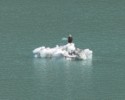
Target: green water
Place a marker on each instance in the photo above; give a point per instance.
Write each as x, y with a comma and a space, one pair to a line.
95, 24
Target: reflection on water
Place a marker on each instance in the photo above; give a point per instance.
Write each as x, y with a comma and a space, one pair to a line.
63, 79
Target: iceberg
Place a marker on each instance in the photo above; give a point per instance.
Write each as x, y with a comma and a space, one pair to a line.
68, 51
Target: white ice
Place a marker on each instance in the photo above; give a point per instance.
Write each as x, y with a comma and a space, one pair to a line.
68, 51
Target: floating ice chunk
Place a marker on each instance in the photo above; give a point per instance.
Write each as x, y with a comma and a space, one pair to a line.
68, 51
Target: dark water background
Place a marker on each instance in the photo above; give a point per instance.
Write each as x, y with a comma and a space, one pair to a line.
95, 24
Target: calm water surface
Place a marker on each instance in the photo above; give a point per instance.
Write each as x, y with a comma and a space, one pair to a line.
94, 24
